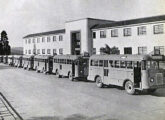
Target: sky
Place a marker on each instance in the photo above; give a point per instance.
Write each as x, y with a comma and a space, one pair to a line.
21, 17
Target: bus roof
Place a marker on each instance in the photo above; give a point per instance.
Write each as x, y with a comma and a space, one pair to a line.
17, 56
28, 56
121, 57
72, 57
42, 56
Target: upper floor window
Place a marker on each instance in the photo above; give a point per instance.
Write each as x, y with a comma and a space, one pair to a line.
38, 40
29, 41
114, 33
43, 51
48, 51
94, 35
25, 41
54, 51
127, 31
60, 51
54, 38
48, 39
103, 34
43, 39
158, 29
142, 50
33, 40
60, 37
38, 51
142, 30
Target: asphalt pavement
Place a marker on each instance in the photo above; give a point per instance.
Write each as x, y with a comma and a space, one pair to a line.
37, 96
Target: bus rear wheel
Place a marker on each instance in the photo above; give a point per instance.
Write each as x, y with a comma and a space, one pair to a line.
99, 82
129, 87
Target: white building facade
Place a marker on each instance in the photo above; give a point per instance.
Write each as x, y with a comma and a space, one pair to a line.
137, 36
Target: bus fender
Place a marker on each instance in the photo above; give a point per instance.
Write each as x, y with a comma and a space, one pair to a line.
96, 77
125, 82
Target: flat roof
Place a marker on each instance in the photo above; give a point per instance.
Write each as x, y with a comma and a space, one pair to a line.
131, 21
45, 33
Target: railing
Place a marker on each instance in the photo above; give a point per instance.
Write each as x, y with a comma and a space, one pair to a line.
7, 111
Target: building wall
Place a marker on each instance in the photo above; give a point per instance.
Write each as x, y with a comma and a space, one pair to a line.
46, 45
149, 40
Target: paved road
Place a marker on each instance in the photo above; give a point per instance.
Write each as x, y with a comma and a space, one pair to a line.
45, 97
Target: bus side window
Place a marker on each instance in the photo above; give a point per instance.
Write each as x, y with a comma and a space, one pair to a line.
122, 64
105, 63
96, 62
91, 63
129, 64
111, 63
100, 62
117, 64
106, 72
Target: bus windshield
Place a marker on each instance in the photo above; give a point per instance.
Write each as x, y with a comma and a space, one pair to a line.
155, 64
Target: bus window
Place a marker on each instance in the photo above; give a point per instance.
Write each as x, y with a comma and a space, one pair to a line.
100, 62
111, 63
152, 65
122, 64
117, 64
105, 63
129, 64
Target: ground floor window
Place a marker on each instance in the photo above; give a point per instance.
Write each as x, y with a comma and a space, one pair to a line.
43, 51
60, 51
142, 50
29, 51
128, 50
48, 51
38, 51
159, 50
54, 52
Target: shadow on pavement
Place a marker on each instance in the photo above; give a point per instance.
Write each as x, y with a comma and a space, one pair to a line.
6, 67
72, 117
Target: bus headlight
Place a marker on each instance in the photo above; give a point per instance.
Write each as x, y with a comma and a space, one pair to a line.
151, 80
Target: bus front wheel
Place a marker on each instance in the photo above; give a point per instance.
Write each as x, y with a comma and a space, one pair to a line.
129, 87
99, 82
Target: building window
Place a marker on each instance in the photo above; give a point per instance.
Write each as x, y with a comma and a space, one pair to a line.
29, 41
26, 41
60, 38
33, 40
38, 51
25, 51
158, 29
38, 40
159, 50
142, 50
29, 51
54, 52
94, 35
60, 51
48, 51
127, 31
94, 51
114, 33
103, 34
142, 30
54, 38
43, 51
43, 39
128, 50
48, 39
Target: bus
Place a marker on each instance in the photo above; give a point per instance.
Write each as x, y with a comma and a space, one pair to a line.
43, 63
72, 66
5, 59
27, 62
10, 60
18, 60
133, 72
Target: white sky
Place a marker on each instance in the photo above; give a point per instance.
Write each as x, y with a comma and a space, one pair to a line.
22, 17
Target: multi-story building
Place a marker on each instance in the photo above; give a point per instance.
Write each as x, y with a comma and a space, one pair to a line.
136, 36
76, 38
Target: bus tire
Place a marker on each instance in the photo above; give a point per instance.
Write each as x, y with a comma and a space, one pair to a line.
99, 82
129, 87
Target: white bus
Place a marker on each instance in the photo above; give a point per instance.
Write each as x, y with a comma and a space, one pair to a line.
133, 72
43, 63
17, 61
27, 62
72, 66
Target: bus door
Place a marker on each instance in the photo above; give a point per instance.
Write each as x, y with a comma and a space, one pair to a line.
50, 64
83, 68
73, 67
105, 72
137, 73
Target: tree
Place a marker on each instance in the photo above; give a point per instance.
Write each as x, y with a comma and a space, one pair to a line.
4, 44
108, 50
